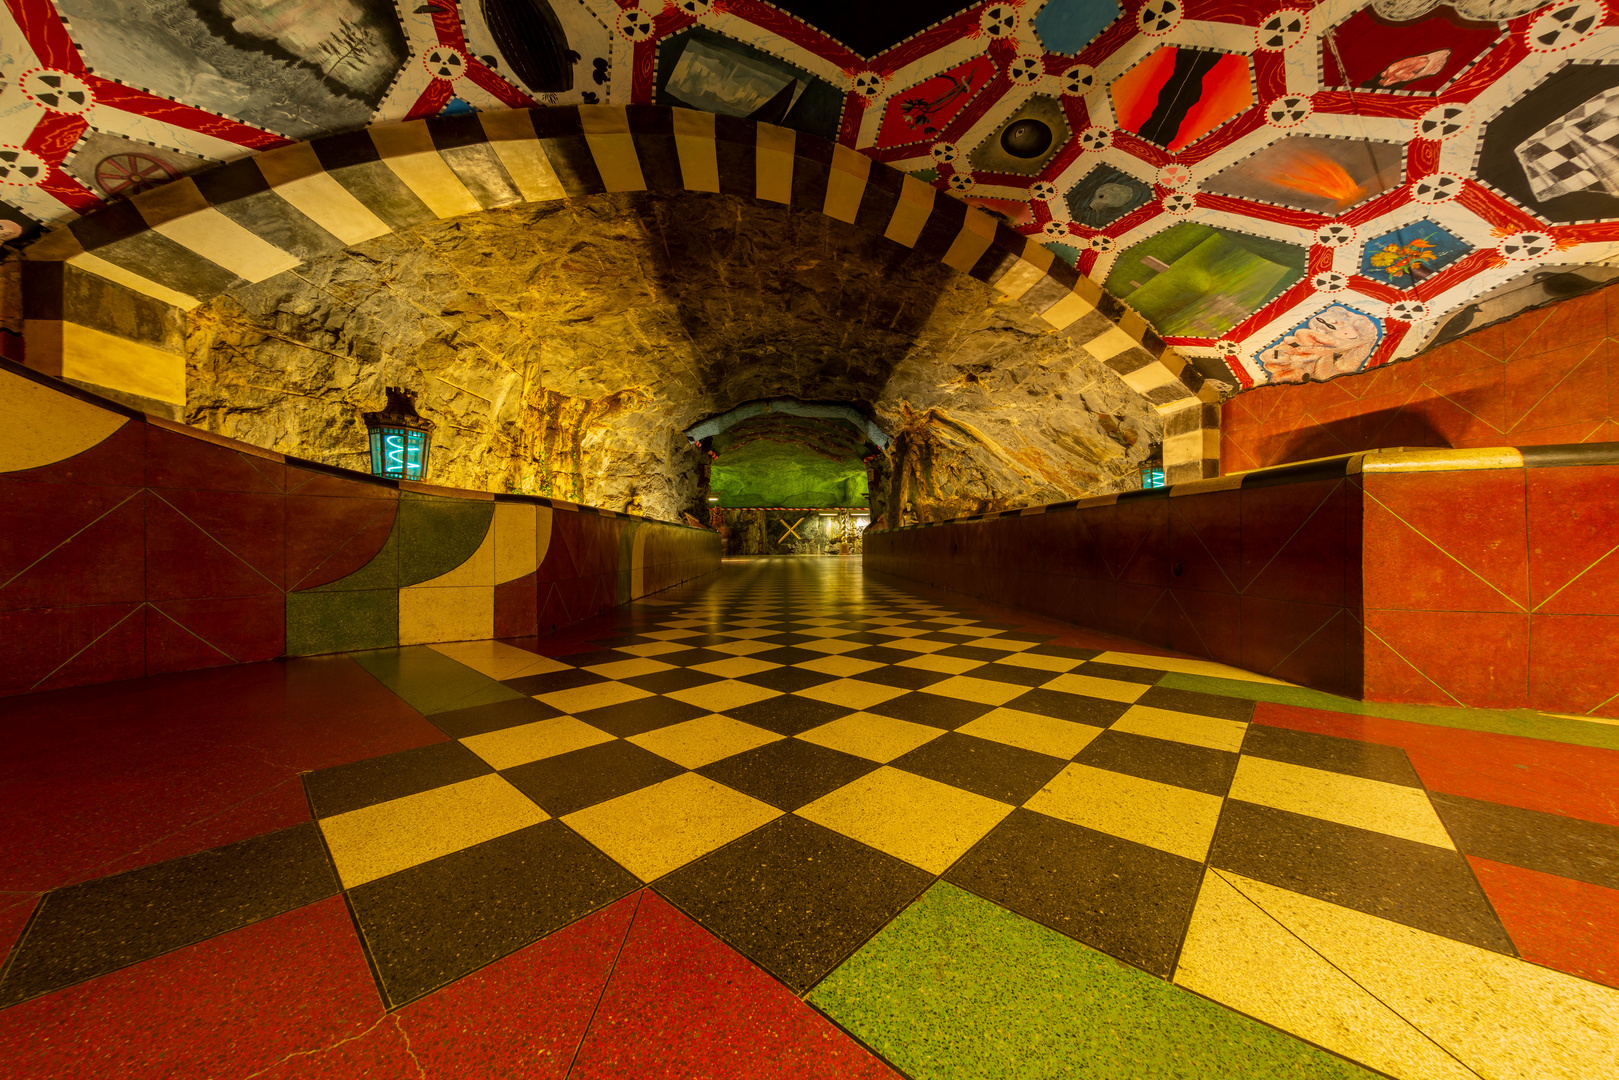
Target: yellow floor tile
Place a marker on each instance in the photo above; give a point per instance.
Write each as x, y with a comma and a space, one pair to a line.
1090, 686
1505, 1018
950, 665
719, 696
832, 646
916, 646
1349, 800
876, 738
1209, 731
531, 742
852, 693
1041, 662
1042, 734
497, 659
706, 739
842, 666
1239, 956
924, 822
594, 696
1185, 667
743, 648
735, 667
662, 828
376, 841
1172, 819
969, 630
1004, 644
629, 669
983, 691
653, 648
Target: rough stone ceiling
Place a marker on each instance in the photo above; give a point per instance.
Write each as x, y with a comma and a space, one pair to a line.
1290, 191
564, 347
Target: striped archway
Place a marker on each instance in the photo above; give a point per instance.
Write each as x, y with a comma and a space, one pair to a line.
105, 297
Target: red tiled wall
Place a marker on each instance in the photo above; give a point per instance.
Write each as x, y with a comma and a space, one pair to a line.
162, 550
1545, 377
1494, 589
1268, 578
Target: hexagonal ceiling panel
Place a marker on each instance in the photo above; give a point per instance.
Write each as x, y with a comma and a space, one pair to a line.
1330, 130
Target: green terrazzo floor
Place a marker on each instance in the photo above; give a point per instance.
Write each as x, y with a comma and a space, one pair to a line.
958, 987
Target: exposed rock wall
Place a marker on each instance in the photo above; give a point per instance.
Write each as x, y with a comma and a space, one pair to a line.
563, 347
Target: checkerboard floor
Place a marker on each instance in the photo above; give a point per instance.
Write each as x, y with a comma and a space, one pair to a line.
818, 786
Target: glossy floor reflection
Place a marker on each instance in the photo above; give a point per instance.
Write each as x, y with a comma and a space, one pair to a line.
793, 820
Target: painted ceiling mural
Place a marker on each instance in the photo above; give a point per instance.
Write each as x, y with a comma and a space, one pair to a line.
1284, 193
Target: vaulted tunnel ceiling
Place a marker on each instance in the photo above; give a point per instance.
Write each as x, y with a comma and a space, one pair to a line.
1359, 175
563, 348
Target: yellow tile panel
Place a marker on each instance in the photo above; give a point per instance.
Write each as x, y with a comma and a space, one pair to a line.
983, 691
867, 735
1172, 819
1391, 809
694, 144
1027, 272
44, 426
376, 841
703, 740
220, 240
1042, 734
924, 822
831, 645
510, 747
101, 268
1042, 662
845, 183
977, 233
407, 149
1185, 666
653, 648
911, 212
120, 364
852, 693
629, 669
456, 613
773, 163
1238, 955
594, 696
719, 696
662, 828
842, 666
1505, 1018
499, 660
516, 533
511, 135
744, 647
950, 665
1209, 731
1091, 686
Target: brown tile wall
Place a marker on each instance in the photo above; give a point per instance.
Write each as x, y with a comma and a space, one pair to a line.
1547, 376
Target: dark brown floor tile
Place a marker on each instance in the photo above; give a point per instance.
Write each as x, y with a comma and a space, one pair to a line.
788, 714
667, 682
1181, 764
1190, 701
790, 654
787, 679
393, 776
1128, 900
905, 678
1419, 885
881, 654
552, 681
921, 707
1068, 652
1008, 774
641, 715
973, 652
1076, 707
1119, 672
1012, 673
793, 897
1567, 847
1371, 760
581, 778
496, 716
790, 773
692, 657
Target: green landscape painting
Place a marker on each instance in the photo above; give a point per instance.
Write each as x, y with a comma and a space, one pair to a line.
1199, 281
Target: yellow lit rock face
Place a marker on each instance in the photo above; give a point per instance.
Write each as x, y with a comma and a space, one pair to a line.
563, 348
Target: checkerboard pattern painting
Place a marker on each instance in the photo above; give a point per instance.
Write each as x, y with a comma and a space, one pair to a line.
827, 773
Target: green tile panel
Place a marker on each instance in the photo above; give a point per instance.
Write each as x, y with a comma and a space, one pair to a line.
430, 681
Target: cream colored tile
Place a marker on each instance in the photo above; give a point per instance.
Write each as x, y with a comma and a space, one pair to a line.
1209, 731
867, 735
376, 841
743, 648
719, 696
663, 827
705, 739
594, 696
1090, 686
924, 822
842, 666
1172, 819
951, 665
629, 669
1237, 955
983, 691
1502, 1017
1186, 667
734, 667
653, 648
1042, 734
499, 660
852, 693
531, 742
1041, 662
1349, 800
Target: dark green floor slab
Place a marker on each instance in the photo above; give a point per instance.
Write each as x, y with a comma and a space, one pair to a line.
957, 987
1525, 722
430, 681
